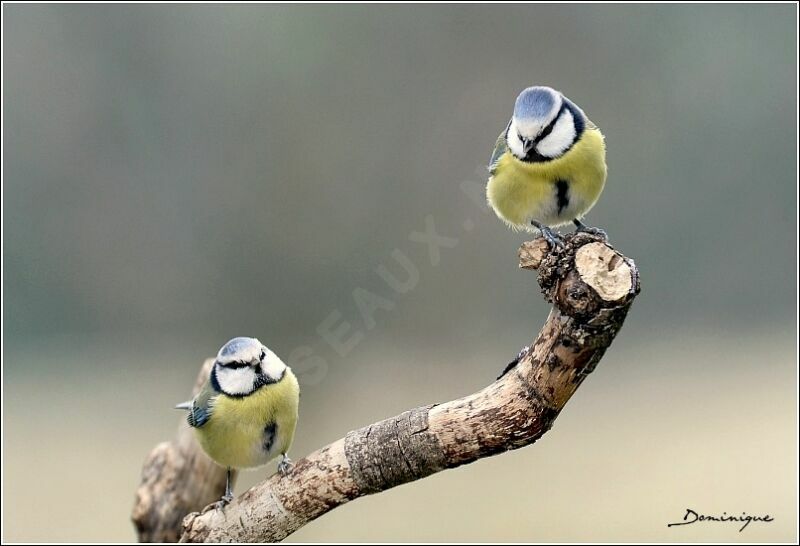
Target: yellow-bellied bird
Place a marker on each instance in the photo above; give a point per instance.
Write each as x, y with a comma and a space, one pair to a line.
246, 413
548, 166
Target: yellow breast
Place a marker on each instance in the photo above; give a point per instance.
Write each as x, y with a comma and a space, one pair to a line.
520, 192
237, 433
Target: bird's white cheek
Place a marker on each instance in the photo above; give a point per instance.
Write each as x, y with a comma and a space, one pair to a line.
236, 381
560, 138
514, 143
272, 366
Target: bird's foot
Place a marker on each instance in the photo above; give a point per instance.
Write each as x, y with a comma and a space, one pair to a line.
514, 362
285, 466
594, 231
220, 504
553, 239
583, 228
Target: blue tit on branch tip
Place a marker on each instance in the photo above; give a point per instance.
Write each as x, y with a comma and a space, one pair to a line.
548, 167
246, 412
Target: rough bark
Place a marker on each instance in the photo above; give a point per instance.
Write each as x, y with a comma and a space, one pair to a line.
177, 478
591, 287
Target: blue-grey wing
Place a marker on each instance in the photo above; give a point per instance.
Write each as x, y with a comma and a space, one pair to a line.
500, 147
201, 407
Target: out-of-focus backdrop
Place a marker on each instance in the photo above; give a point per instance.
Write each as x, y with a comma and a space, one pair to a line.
179, 175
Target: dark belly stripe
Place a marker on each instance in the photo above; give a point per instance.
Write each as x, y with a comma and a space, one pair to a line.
269, 437
562, 195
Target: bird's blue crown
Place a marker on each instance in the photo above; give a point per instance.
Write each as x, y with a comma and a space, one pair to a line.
537, 104
239, 348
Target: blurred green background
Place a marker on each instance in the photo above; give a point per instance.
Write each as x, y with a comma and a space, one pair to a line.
178, 175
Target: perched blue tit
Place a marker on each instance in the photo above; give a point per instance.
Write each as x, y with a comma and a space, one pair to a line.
246, 413
548, 166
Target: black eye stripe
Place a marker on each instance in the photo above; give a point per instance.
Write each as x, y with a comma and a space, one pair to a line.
578, 125
235, 365
549, 128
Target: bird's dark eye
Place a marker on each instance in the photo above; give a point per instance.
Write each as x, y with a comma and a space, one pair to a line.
263, 355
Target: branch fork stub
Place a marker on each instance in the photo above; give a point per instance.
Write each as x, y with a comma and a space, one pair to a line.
583, 275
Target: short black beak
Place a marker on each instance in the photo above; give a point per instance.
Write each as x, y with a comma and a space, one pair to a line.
527, 144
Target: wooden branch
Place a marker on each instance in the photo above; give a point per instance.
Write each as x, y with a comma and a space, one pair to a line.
177, 478
591, 287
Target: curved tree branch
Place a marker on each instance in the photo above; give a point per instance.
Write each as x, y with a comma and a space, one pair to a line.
591, 287
177, 478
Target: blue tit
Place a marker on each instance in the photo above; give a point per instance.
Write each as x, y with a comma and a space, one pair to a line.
548, 166
245, 414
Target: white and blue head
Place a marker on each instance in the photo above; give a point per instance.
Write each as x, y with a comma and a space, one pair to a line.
544, 126
244, 365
